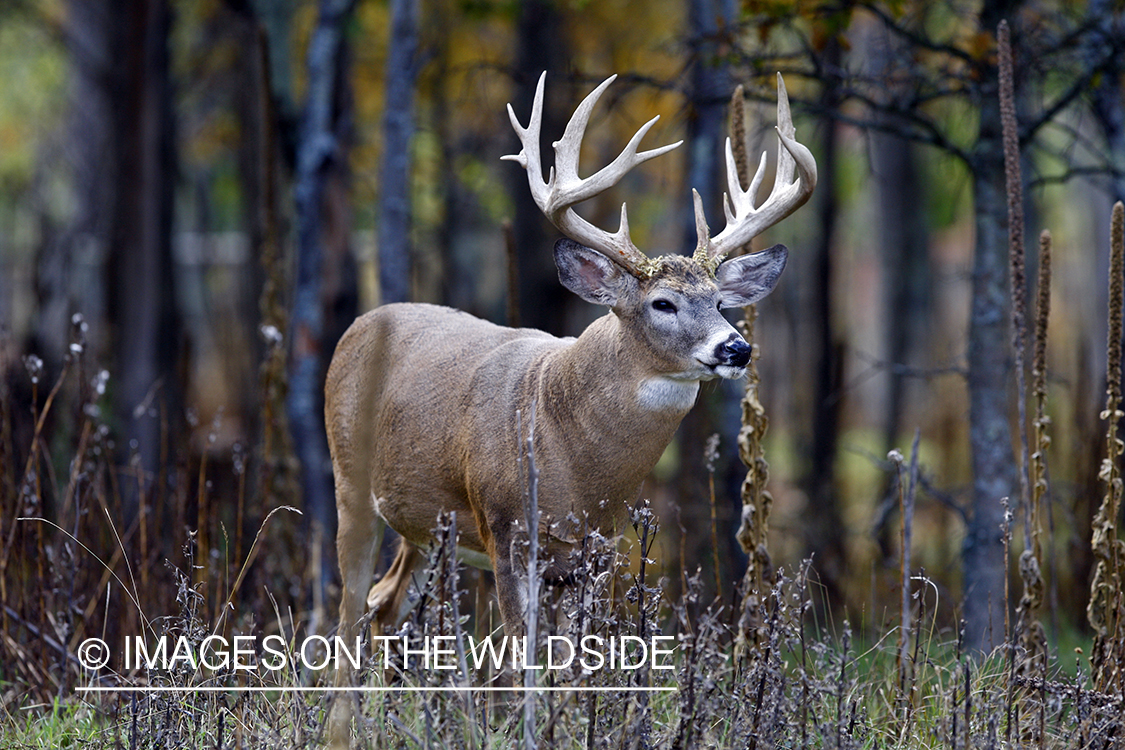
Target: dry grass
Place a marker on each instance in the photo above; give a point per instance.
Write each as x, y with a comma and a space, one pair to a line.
806, 683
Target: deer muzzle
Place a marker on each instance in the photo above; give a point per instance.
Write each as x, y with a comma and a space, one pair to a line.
734, 352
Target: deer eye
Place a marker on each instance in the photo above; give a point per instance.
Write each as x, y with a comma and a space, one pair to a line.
663, 305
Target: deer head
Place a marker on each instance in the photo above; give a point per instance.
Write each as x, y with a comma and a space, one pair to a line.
670, 299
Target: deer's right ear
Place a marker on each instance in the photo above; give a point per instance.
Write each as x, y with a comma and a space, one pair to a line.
591, 275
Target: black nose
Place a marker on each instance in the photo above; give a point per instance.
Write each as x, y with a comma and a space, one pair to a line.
734, 352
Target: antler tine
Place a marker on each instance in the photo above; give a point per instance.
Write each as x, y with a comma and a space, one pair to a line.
743, 199
785, 130
568, 148
528, 157
565, 189
744, 221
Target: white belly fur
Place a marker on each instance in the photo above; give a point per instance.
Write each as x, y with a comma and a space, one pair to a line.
474, 558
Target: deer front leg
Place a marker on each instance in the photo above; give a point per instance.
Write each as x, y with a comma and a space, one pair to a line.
511, 583
359, 535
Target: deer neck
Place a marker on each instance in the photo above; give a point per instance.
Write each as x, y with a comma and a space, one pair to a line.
621, 393
597, 427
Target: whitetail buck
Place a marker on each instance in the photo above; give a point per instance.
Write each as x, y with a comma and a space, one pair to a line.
422, 401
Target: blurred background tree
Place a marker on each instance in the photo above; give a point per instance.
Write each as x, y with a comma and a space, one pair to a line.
197, 178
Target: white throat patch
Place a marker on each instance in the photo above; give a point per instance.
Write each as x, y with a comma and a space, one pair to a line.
667, 394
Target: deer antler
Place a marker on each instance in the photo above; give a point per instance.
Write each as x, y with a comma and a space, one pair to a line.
744, 222
564, 189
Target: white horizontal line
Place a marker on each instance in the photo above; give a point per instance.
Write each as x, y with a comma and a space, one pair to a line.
371, 689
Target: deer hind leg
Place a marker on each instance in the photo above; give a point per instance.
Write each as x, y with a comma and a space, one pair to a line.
388, 597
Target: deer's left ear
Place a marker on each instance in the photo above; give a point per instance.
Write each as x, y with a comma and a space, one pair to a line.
746, 279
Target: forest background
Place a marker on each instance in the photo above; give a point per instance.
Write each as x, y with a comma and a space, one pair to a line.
197, 197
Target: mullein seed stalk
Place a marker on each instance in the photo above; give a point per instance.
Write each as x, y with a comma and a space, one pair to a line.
1105, 607
756, 501
1029, 638
1014, 186
1032, 636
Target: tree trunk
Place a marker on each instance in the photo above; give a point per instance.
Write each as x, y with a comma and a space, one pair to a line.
253, 150
1106, 99
60, 290
320, 152
907, 276
139, 283
907, 290
825, 541
990, 438
398, 132
541, 46
708, 100
276, 18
